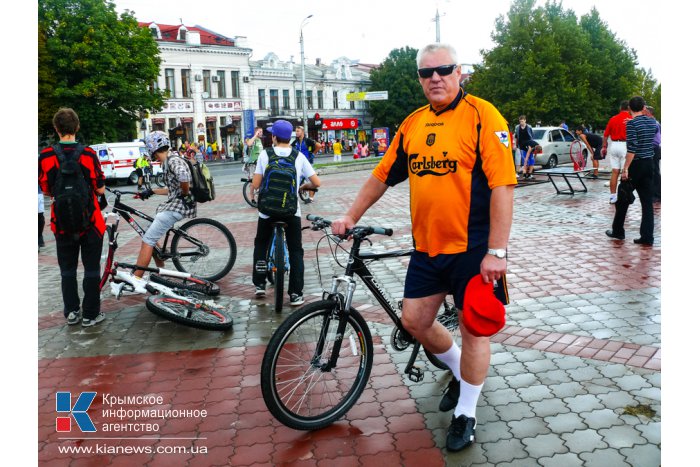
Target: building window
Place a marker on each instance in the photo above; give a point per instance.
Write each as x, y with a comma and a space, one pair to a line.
185, 75
298, 99
206, 81
319, 95
274, 102
221, 85
235, 87
335, 99
309, 99
170, 82
261, 99
285, 99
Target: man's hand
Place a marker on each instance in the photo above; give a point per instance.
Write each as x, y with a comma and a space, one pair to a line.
188, 200
342, 225
145, 194
492, 268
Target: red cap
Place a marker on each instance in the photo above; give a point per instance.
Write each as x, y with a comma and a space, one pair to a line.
483, 314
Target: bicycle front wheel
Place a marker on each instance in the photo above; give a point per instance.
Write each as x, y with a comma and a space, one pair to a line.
247, 197
278, 269
198, 315
298, 388
205, 248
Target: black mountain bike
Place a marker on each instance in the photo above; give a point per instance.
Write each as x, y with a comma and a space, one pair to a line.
318, 361
202, 247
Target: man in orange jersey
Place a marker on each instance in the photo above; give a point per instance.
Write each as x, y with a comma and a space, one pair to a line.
456, 150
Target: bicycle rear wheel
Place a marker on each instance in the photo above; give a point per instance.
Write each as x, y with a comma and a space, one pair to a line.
193, 284
205, 248
298, 390
450, 319
200, 316
246, 195
278, 268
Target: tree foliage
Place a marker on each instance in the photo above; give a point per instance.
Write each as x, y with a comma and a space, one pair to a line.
398, 75
551, 66
97, 62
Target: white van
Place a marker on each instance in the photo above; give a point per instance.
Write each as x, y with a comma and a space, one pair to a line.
117, 159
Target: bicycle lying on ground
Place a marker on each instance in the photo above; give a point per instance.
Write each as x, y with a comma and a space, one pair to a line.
175, 295
203, 247
318, 361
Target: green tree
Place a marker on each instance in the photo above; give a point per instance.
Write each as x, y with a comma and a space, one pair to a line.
550, 66
99, 63
397, 74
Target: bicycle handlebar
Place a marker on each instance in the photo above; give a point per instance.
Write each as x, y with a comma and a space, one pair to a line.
357, 231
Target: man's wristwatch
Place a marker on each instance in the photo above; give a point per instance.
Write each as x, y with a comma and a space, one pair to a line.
497, 252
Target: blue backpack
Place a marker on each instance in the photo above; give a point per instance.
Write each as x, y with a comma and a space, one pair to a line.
278, 195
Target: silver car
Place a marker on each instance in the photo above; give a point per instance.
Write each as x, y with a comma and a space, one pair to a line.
556, 146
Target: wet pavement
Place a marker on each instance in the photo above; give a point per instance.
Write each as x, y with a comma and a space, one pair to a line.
574, 378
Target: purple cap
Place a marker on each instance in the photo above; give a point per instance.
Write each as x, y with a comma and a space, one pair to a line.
281, 129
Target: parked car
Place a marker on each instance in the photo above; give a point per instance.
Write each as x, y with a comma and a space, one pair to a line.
556, 146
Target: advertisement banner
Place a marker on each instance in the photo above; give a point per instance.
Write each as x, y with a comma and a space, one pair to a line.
382, 137
340, 124
249, 122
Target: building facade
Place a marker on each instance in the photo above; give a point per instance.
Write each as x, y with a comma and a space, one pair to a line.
215, 93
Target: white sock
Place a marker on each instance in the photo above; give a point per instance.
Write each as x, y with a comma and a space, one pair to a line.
468, 397
451, 358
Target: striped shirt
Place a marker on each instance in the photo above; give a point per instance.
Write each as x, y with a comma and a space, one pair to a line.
640, 136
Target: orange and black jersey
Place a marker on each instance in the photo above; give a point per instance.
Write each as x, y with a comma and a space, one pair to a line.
453, 159
92, 170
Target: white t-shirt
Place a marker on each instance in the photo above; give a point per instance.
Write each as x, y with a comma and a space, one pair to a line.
304, 169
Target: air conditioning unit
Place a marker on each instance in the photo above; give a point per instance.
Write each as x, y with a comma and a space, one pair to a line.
198, 77
216, 78
246, 79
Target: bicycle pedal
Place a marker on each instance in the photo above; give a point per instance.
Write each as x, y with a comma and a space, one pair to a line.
415, 374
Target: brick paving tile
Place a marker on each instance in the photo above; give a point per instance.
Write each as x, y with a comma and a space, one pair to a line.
582, 342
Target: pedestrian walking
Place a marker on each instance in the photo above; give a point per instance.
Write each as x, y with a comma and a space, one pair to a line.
455, 245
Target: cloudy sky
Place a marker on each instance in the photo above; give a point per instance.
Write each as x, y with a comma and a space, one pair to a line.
367, 30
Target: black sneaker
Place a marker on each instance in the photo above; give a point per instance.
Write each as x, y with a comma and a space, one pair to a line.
461, 433
451, 396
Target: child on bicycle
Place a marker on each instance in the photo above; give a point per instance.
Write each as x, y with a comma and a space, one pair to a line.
180, 202
281, 135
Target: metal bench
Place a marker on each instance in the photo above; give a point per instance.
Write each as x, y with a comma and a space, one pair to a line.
566, 173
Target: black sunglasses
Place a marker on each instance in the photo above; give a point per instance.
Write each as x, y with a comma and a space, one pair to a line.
442, 70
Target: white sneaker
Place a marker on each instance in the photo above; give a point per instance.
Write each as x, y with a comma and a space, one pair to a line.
613, 198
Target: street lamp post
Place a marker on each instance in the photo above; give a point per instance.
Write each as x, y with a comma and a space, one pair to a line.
303, 75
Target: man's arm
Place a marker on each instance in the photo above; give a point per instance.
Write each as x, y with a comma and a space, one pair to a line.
371, 191
501, 207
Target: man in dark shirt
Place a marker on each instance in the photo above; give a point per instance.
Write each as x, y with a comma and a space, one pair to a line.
639, 169
594, 143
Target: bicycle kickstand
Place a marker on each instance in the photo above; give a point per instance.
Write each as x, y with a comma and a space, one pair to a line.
414, 372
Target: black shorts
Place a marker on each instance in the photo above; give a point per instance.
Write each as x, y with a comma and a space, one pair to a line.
428, 276
597, 154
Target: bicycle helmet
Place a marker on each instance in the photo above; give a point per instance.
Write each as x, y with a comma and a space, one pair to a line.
157, 140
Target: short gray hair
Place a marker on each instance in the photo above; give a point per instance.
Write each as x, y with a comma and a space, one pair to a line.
432, 48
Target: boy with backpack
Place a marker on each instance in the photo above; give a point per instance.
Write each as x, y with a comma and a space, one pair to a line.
277, 175
180, 203
71, 173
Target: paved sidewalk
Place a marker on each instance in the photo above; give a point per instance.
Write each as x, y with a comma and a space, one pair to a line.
575, 375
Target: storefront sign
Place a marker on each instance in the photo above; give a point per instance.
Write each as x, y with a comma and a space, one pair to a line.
222, 106
179, 106
339, 124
